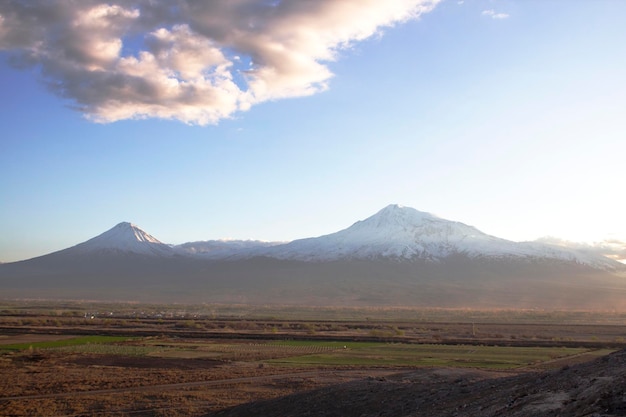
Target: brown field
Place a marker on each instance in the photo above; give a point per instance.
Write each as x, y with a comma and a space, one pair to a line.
81, 359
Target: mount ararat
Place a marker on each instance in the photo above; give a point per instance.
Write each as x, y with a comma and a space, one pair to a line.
397, 257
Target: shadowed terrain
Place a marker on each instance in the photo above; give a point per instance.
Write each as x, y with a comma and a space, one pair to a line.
596, 388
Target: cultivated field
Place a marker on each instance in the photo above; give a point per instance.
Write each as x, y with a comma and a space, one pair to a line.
85, 359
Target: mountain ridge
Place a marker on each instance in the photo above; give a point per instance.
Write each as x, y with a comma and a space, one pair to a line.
397, 257
394, 232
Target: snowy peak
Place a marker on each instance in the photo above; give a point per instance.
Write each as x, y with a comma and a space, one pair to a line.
126, 237
129, 231
124, 233
395, 213
407, 220
395, 216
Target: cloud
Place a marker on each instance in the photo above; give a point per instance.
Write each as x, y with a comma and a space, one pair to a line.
197, 62
611, 248
495, 15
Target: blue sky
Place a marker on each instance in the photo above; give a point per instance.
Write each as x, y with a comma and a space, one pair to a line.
505, 115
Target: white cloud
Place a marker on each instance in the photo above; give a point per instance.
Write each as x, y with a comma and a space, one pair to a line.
495, 15
611, 248
197, 62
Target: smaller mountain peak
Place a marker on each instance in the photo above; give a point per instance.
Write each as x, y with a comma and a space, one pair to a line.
126, 231
126, 237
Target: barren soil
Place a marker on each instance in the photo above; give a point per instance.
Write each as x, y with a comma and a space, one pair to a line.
54, 383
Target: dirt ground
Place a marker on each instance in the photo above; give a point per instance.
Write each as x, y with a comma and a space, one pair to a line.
54, 383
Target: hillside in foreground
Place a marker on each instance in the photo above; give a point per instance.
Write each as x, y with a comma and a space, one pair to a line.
596, 388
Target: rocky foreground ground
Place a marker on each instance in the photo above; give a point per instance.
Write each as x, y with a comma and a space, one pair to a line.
596, 388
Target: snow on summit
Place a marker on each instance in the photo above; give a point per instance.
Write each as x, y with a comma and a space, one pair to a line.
125, 237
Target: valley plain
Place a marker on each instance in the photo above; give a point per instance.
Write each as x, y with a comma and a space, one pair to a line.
73, 358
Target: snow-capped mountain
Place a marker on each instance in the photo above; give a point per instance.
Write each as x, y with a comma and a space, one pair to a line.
404, 233
125, 238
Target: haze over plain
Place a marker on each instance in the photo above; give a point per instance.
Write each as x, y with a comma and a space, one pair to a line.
278, 120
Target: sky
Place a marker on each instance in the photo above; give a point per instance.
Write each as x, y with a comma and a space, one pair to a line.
278, 120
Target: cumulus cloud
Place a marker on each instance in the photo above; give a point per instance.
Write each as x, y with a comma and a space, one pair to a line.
494, 15
611, 248
197, 62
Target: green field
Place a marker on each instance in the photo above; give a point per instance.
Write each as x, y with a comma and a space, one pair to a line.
299, 353
410, 355
77, 341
